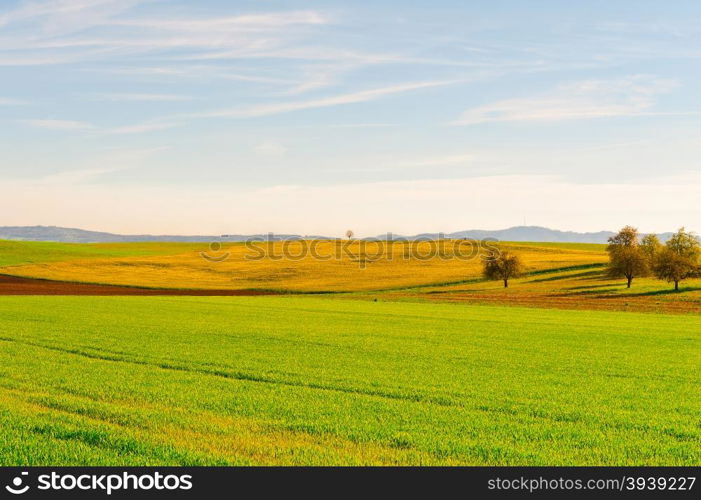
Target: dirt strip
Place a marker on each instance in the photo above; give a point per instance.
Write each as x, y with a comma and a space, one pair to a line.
12, 285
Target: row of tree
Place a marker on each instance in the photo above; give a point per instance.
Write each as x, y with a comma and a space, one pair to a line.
632, 256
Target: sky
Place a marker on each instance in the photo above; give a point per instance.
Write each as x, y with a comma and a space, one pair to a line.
314, 117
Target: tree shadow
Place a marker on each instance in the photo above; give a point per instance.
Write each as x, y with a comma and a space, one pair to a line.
565, 269
599, 291
670, 291
586, 274
588, 287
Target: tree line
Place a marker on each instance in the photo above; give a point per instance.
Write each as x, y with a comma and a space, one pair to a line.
631, 255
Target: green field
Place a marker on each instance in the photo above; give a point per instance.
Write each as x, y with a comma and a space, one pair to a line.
13, 253
303, 380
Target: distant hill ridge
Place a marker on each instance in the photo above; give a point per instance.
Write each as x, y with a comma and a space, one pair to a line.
518, 233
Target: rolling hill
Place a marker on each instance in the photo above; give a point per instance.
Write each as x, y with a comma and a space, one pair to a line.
517, 233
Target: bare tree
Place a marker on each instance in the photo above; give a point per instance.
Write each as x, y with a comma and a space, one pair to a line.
502, 266
679, 259
626, 256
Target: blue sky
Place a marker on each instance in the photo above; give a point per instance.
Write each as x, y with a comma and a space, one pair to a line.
169, 116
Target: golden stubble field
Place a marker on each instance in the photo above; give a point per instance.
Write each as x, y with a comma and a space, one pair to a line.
558, 275
316, 266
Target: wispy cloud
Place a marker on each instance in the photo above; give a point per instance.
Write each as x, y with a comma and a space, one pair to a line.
311, 77
78, 126
587, 99
43, 27
140, 128
54, 17
183, 70
54, 32
318, 76
432, 162
270, 148
142, 97
110, 162
76, 176
438, 161
350, 98
11, 102
60, 124
361, 125
28, 10
254, 22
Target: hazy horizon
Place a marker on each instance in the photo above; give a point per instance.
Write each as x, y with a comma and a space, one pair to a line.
342, 234
147, 117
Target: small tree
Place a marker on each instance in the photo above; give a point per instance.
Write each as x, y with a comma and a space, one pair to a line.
502, 266
679, 258
626, 256
628, 236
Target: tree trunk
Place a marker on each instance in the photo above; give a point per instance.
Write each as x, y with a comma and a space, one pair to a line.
506, 283
676, 286
630, 280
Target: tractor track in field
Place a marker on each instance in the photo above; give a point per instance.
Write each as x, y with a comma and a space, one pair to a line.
15, 285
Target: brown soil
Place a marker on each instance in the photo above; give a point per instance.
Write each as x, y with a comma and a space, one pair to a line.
561, 301
12, 285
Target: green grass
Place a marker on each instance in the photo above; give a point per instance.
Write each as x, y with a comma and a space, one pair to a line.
13, 253
301, 380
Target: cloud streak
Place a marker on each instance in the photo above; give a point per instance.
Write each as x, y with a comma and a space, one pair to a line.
11, 102
109, 162
582, 100
78, 126
254, 22
140, 128
338, 100
142, 97
65, 125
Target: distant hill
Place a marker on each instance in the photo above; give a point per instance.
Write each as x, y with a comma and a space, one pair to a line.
72, 235
532, 233
518, 233
527, 233
536, 233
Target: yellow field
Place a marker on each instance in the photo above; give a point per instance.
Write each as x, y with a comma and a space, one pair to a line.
337, 267
569, 276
